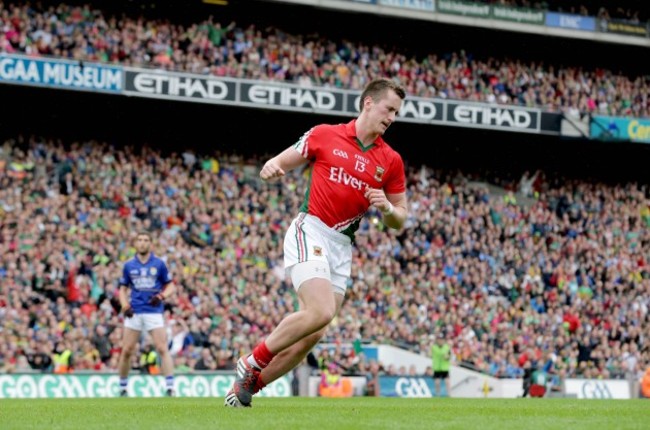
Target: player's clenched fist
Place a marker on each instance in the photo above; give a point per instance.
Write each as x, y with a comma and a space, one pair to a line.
271, 171
128, 311
156, 300
378, 199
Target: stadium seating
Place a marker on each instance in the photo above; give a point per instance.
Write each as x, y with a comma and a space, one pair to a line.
554, 282
246, 51
553, 272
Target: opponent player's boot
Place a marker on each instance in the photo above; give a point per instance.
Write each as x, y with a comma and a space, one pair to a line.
169, 392
124, 393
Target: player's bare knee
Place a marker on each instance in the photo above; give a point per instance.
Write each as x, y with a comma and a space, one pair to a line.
321, 317
128, 350
161, 348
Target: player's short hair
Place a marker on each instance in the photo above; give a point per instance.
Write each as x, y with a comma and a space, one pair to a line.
144, 233
378, 87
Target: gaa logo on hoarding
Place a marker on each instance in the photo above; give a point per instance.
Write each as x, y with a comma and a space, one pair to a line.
595, 390
412, 387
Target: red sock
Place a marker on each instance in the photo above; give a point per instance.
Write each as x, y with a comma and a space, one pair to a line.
262, 355
259, 385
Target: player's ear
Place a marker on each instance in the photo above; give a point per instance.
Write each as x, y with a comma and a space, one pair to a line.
367, 101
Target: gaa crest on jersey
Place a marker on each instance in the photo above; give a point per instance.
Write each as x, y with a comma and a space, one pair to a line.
318, 251
153, 271
379, 173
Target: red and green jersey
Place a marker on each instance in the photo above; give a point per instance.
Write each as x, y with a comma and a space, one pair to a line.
341, 170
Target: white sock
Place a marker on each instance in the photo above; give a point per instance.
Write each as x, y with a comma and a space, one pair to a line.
169, 382
252, 362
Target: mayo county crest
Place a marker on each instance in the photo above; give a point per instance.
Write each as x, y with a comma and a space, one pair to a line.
379, 173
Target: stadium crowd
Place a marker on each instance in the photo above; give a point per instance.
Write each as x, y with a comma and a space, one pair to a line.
602, 9
246, 51
561, 283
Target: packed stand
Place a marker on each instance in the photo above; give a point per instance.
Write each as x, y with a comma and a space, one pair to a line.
227, 49
602, 9
562, 283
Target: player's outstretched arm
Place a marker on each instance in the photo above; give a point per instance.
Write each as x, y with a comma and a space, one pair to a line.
282, 163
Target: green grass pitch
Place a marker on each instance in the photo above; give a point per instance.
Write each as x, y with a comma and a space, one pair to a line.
324, 414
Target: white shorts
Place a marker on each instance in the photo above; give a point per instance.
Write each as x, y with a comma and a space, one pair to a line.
328, 253
146, 322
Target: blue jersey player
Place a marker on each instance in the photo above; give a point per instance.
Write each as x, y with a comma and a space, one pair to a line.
149, 283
